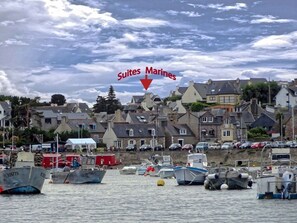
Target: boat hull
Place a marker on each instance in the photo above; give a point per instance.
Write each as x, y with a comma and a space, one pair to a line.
166, 173
276, 187
233, 179
190, 175
79, 176
22, 180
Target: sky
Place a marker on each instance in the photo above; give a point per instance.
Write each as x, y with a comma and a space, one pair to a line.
78, 47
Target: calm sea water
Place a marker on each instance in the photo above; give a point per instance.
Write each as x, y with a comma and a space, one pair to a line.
133, 198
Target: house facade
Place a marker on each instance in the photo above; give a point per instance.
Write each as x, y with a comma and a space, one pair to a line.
120, 135
5, 114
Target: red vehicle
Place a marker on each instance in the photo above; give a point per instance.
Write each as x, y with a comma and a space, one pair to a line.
257, 145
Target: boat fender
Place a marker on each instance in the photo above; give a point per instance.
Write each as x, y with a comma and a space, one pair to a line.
212, 176
206, 184
224, 187
243, 175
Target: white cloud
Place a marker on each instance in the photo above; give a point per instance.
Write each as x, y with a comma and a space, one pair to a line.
13, 42
276, 41
222, 7
6, 87
269, 19
186, 13
144, 22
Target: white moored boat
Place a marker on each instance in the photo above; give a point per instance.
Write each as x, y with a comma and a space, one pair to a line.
24, 177
280, 183
128, 170
195, 171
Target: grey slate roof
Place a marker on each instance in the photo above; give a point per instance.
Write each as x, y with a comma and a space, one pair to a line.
173, 129
201, 88
182, 90
6, 107
140, 130
68, 108
138, 118
137, 98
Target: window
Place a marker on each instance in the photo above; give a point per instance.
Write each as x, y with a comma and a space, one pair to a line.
118, 144
131, 142
183, 132
142, 141
227, 121
131, 133
92, 126
212, 98
211, 132
204, 119
226, 133
210, 119
48, 120
81, 126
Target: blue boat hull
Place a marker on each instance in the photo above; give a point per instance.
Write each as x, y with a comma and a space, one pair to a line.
276, 196
22, 190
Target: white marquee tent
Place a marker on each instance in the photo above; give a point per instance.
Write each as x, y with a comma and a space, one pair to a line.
81, 143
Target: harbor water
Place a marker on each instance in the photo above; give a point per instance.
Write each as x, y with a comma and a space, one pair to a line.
133, 198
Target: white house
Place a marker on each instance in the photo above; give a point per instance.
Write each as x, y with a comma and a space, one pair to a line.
5, 114
286, 97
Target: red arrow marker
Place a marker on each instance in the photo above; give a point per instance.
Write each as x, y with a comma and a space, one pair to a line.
146, 82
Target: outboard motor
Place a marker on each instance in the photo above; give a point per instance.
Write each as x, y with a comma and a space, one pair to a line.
287, 184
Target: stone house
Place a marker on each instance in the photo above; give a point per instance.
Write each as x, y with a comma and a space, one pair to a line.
120, 135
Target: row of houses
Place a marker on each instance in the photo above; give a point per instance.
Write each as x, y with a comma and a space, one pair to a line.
147, 120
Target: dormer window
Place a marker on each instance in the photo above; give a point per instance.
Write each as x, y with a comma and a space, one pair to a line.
210, 119
131, 132
152, 132
183, 131
204, 119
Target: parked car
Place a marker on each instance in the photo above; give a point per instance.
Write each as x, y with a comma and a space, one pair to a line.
145, 147
175, 146
294, 144
227, 145
159, 147
245, 145
257, 145
131, 147
201, 146
187, 147
214, 146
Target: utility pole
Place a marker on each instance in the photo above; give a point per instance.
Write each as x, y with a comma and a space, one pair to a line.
293, 124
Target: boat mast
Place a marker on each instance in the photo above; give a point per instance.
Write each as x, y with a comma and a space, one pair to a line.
57, 160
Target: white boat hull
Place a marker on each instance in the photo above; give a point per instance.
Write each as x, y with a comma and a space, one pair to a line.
22, 180
190, 175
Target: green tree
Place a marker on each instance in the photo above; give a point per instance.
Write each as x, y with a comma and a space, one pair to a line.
197, 106
107, 104
58, 99
100, 105
260, 91
112, 102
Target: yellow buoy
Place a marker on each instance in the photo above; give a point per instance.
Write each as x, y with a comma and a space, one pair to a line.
160, 182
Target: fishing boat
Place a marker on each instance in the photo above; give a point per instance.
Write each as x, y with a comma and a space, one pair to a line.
228, 178
159, 163
166, 173
280, 181
85, 172
194, 172
24, 177
128, 170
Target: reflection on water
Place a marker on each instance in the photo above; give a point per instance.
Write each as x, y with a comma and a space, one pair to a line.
132, 198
